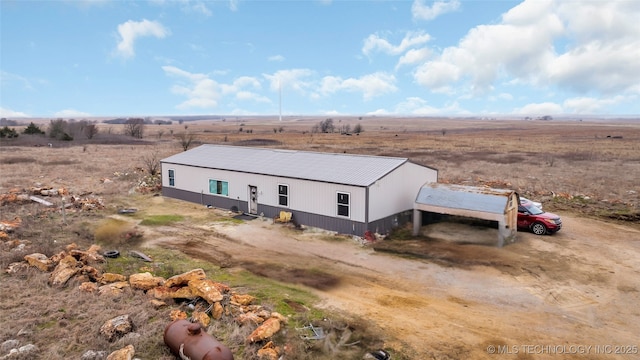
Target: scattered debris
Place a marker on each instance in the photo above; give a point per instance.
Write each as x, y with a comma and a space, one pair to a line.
378, 355
48, 191
368, 236
127, 211
149, 184
140, 255
311, 332
40, 201
111, 254
283, 217
87, 203
189, 340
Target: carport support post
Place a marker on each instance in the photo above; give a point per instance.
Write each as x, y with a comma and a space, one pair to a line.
417, 221
501, 232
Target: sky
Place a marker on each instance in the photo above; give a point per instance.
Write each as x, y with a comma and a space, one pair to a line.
93, 58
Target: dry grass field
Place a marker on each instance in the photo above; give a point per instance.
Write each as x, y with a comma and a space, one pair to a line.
437, 299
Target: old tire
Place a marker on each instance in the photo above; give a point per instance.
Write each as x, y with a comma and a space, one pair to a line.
538, 228
112, 254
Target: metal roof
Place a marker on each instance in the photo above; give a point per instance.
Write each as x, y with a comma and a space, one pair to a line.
464, 197
350, 169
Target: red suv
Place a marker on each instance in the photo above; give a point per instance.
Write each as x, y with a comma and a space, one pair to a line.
539, 222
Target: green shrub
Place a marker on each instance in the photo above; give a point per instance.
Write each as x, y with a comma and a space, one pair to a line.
8, 133
33, 129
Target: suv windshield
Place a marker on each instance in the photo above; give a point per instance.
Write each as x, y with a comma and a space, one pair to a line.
532, 209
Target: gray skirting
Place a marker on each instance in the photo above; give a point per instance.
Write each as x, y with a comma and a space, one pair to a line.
342, 226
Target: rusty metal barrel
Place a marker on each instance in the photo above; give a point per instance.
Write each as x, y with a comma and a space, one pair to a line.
189, 340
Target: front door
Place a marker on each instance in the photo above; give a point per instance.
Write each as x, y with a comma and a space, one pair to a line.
253, 199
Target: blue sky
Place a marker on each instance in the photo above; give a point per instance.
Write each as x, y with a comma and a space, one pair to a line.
84, 58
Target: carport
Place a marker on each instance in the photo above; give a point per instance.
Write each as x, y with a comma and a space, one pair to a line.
484, 203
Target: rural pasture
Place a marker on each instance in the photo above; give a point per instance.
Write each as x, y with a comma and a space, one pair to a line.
441, 297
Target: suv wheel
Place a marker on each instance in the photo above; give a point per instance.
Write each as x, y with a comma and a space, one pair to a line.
539, 228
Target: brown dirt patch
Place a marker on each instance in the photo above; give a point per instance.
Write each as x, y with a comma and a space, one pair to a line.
312, 278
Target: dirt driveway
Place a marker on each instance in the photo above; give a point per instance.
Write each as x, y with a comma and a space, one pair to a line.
571, 295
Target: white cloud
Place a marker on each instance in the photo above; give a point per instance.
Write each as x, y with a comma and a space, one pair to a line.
71, 113
418, 106
332, 113
438, 75
237, 89
375, 43
187, 6
605, 67
606, 21
131, 30
251, 96
582, 47
233, 5
501, 97
539, 109
203, 92
199, 89
8, 113
371, 85
378, 112
420, 11
200, 7
589, 105
296, 79
278, 58
413, 56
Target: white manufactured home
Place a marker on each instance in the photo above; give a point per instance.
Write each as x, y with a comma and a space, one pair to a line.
346, 193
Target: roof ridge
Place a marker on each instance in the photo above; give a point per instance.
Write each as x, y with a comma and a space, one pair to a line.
306, 151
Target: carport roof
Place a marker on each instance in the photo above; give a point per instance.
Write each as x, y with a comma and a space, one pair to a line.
359, 170
464, 197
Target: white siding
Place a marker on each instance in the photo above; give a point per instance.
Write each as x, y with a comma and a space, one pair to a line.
397, 191
308, 196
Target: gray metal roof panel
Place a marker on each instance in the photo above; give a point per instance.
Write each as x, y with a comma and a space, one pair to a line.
359, 170
464, 197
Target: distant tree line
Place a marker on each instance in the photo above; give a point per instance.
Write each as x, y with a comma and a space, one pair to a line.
327, 126
59, 129
8, 122
146, 121
67, 130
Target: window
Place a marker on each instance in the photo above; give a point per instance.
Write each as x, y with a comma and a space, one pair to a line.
218, 187
343, 204
172, 177
283, 195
